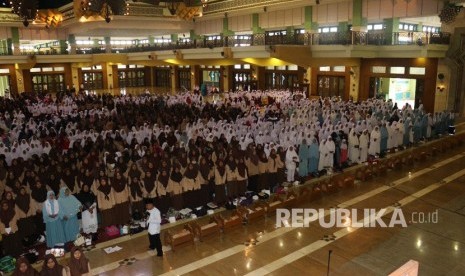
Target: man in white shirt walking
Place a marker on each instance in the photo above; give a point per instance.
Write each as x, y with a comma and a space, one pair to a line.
154, 221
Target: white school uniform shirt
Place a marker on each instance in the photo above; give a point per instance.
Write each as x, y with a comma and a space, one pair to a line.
154, 221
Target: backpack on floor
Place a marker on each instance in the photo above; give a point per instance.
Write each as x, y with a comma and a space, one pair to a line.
7, 264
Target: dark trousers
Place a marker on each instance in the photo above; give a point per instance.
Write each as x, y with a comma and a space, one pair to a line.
155, 243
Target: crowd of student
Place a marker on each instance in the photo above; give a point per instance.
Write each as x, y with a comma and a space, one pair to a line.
78, 265
96, 158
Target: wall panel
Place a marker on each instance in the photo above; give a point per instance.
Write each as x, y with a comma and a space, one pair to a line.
343, 12
414, 8
214, 26
240, 23
400, 9
386, 10
373, 9
298, 17
377, 10
288, 17
280, 19
431, 7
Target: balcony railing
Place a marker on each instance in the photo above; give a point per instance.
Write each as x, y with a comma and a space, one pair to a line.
339, 38
399, 38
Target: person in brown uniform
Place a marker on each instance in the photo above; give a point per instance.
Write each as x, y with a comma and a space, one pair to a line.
175, 188
220, 182
105, 202
120, 187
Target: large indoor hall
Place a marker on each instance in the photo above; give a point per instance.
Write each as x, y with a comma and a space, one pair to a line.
232, 137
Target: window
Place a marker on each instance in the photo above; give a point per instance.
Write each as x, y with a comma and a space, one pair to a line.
375, 27
378, 69
162, 77
274, 33
327, 29
4, 71
417, 70
330, 86
214, 37
339, 68
292, 68
45, 83
184, 78
162, 40
92, 80
397, 70
429, 29
122, 42
408, 27
325, 69
58, 69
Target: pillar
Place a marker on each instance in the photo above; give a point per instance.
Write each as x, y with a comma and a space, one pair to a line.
72, 44
107, 40
392, 30
227, 78
19, 80
151, 39
174, 79
174, 38
256, 24
15, 41
359, 24
195, 78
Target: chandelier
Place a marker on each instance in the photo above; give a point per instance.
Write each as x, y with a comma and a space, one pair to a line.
27, 10
104, 8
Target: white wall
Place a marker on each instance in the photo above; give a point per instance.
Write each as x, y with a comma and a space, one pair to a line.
214, 26
377, 10
333, 13
240, 23
282, 18
42, 34
441, 97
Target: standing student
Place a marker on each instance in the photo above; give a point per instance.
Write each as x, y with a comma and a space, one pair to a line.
53, 225
175, 188
105, 202
154, 221
162, 200
291, 163
220, 182
69, 208
89, 209
136, 193
119, 183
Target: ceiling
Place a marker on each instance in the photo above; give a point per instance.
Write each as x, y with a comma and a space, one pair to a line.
43, 4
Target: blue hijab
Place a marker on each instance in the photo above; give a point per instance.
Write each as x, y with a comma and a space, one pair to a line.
69, 205
50, 203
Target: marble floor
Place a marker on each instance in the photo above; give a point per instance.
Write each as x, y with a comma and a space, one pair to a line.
436, 184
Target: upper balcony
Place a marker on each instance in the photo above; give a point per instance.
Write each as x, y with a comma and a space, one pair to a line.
352, 44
